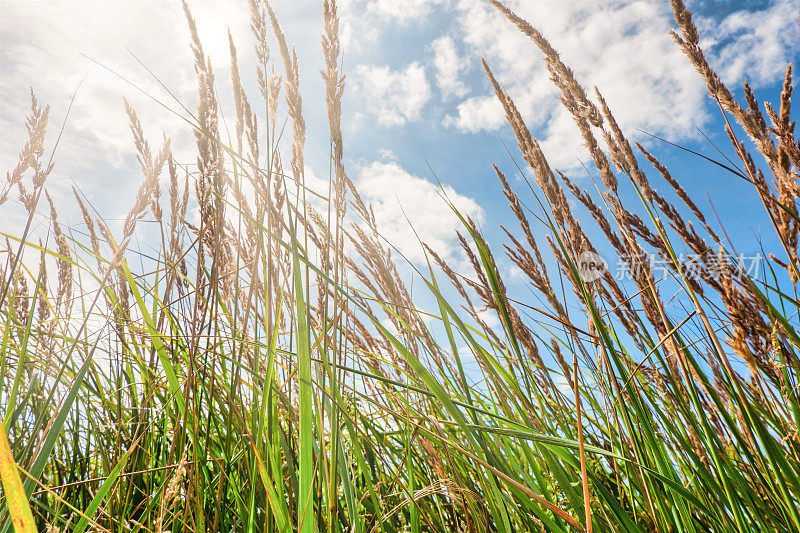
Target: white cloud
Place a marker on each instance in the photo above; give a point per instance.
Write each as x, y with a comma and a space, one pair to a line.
395, 97
489, 318
623, 47
476, 114
448, 67
753, 44
394, 194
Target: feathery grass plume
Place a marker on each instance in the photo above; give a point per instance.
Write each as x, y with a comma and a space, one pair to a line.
178, 200
678, 190
574, 98
170, 493
30, 157
90, 227
22, 297
611, 289
43, 307
378, 272
535, 270
246, 121
211, 184
45, 328
492, 291
334, 88
628, 164
149, 191
569, 230
294, 102
241, 106
258, 27
63, 262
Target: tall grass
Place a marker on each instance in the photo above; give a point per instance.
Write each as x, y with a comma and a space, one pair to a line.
266, 369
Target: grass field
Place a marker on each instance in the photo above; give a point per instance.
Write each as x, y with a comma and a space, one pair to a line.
265, 367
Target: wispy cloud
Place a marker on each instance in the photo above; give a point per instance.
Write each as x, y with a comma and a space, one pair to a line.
757, 44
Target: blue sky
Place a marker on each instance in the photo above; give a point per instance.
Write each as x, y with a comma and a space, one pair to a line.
415, 96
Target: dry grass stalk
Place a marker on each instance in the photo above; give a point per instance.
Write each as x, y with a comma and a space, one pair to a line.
170, 493
63, 262
294, 102
211, 186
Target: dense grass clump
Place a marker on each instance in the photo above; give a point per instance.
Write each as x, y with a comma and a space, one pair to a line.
266, 369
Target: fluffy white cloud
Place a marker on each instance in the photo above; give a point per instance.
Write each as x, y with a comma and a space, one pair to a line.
395, 195
754, 44
393, 96
448, 67
476, 114
622, 47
